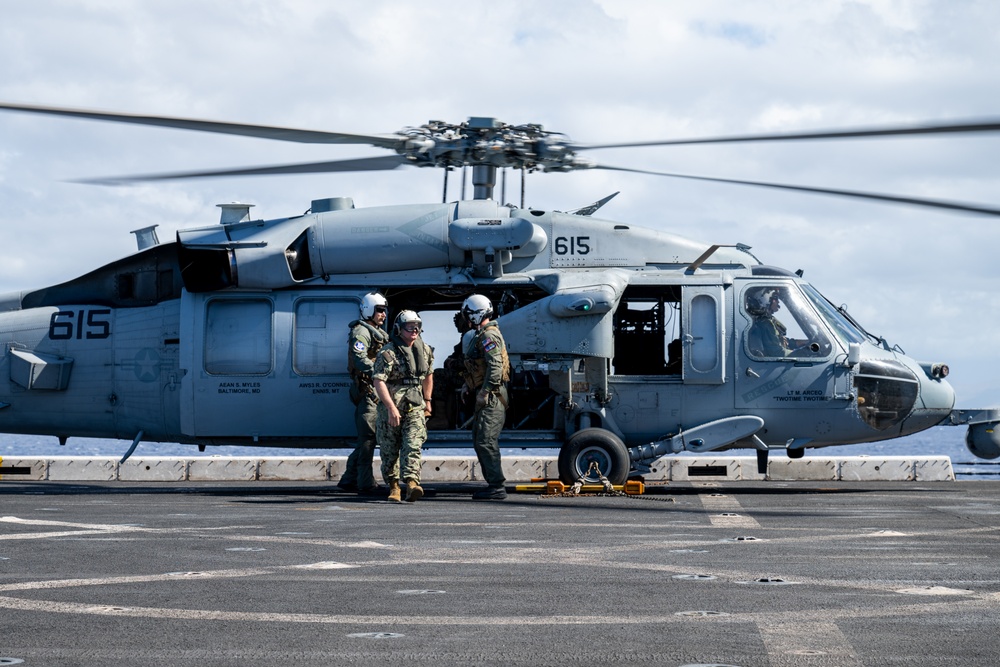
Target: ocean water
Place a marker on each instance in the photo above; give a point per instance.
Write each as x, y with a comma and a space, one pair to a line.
938, 441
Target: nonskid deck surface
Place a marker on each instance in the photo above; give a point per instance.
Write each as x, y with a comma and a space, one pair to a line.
692, 573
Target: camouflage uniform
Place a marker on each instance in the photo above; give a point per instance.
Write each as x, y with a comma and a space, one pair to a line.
403, 370
364, 343
488, 370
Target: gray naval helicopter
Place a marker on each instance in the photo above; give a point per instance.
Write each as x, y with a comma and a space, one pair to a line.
627, 344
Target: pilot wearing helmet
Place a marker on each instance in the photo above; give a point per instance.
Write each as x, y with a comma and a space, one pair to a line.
487, 372
768, 335
366, 338
404, 382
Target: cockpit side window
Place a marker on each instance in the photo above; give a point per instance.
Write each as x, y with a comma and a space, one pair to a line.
782, 325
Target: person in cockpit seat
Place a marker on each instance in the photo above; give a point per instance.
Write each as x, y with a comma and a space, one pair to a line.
768, 335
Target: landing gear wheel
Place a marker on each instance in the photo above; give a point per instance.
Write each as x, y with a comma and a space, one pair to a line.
593, 445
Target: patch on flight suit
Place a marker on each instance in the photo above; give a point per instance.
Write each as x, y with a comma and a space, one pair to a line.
489, 344
359, 346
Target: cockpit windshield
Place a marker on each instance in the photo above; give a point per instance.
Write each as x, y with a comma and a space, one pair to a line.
842, 327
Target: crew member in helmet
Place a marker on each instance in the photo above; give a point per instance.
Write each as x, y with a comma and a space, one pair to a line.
487, 373
366, 338
404, 383
768, 335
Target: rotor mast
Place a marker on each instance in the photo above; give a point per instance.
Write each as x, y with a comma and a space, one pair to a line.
484, 179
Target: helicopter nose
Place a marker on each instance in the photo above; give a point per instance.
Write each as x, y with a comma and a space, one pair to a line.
935, 401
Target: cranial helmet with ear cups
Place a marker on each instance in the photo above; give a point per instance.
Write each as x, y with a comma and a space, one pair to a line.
406, 317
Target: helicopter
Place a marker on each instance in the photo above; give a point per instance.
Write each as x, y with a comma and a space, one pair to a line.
627, 343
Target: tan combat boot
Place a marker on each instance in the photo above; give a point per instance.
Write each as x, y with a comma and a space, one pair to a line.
413, 491
394, 493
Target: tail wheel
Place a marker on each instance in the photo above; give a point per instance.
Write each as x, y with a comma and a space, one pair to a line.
594, 445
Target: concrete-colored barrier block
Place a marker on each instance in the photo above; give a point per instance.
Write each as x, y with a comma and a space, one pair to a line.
292, 470
222, 469
659, 470
551, 466
82, 469
748, 468
466, 469
525, 469
934, 469
704, 468
22, 469
153, 470
806, 469
447, 469
338, 464
871, 469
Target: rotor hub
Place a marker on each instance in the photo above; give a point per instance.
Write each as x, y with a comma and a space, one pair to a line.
482, 141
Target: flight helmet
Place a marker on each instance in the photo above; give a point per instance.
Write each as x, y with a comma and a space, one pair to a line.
371, 301
476, 308
758, 300
406, 317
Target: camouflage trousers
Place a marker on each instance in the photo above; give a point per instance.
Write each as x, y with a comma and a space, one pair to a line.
399, 446
359, 464
486, 427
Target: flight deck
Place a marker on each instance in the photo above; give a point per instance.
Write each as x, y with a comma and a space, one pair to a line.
695, 572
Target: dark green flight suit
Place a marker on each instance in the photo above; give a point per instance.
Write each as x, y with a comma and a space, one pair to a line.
487, 372
364, 343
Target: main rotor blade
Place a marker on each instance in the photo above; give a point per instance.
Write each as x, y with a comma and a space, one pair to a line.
217, 127
933, 203
985, 125
360, 164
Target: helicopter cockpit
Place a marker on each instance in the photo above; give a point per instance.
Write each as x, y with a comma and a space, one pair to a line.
801, 334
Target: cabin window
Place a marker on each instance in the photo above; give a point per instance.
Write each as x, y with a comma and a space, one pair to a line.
239, 337
704, 327
320, 335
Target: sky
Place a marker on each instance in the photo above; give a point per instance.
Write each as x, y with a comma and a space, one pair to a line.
600, 71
